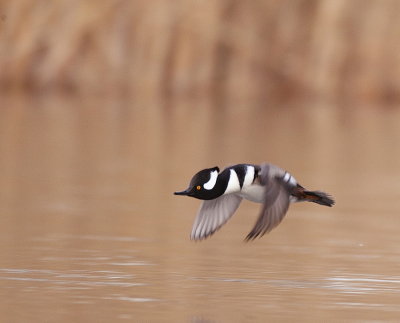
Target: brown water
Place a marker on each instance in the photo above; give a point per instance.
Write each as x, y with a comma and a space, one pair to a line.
90, 230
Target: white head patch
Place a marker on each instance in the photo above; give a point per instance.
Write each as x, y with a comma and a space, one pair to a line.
213, 179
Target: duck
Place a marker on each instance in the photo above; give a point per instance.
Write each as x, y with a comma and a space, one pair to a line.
222, 192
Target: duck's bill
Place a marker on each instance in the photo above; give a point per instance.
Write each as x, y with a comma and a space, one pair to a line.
185, 192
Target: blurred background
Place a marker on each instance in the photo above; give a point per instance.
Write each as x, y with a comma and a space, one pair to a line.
108, 107
263, 51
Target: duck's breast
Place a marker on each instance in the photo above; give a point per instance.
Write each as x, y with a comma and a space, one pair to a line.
253, 192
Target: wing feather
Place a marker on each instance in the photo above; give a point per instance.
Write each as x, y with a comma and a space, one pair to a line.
276, 203
213, 214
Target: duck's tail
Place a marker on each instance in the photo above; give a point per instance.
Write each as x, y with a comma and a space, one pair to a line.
318, 197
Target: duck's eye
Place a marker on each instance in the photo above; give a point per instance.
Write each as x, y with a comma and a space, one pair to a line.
198, 187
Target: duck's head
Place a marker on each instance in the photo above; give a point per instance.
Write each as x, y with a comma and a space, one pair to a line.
202, 184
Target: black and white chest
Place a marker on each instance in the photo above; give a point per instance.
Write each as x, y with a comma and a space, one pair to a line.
242, 180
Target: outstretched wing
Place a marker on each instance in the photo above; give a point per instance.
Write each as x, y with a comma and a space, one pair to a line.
276, 201
213, 214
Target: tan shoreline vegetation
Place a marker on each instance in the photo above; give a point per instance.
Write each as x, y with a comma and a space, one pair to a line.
267, 50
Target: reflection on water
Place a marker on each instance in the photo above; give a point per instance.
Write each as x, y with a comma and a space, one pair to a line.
90, 230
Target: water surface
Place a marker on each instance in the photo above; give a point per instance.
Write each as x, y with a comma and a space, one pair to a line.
90, 230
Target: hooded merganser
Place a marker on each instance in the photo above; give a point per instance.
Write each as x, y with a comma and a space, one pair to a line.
222, 193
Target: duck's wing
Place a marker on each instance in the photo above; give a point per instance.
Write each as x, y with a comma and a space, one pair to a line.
276, 201
213, 214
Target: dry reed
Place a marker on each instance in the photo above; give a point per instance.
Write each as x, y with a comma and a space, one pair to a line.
263, 50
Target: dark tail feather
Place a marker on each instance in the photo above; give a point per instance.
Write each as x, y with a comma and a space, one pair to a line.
319, 197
